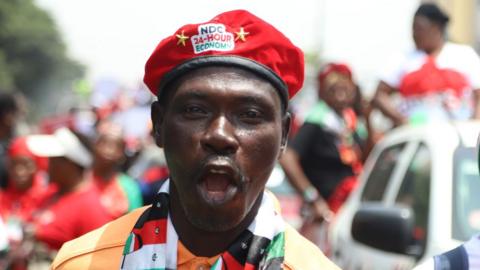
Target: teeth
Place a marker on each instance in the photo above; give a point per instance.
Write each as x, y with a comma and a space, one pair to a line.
217, 171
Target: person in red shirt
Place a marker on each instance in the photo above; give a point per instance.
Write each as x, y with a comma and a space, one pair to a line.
75, 208
119, 193
27, 188
437, 81
27, 183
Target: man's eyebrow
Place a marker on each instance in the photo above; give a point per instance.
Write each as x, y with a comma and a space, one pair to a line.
193, 94
255, 99
246, 99
251, 99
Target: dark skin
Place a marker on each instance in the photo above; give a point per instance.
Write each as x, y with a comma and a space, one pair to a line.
7, 124
381, 100
108, 154
21, 170
338, 96
428, 35
430, 38
222, 130
293, 169
66, 174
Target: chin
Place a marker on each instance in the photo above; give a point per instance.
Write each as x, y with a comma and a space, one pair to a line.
211, 226
214, 221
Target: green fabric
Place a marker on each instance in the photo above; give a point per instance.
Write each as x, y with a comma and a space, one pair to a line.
321, 111
276, 248
132, 190
128, 244
418, 118
215, 265
318, 113
361, 130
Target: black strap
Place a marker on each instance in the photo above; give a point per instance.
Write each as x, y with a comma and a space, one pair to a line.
455, 259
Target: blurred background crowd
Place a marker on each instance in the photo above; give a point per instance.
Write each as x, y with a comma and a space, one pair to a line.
72, 173
75, 143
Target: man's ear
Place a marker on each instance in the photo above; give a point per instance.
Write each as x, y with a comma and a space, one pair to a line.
157, 114
285, 131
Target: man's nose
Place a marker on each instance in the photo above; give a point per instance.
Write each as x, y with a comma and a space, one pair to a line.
219, 137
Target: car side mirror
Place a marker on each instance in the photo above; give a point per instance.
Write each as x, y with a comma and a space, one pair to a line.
387, 228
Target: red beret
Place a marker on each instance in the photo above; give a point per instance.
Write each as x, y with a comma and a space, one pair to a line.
19, 147
234, 38
330, 68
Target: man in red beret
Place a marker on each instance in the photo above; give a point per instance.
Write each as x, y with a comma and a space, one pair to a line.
221, 116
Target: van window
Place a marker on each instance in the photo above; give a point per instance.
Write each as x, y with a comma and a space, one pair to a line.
466, 194
380, 175
414, 191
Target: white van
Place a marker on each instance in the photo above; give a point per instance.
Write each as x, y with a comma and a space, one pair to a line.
419, 195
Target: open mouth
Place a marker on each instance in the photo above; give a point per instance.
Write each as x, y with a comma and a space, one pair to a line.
218, 183
217, 189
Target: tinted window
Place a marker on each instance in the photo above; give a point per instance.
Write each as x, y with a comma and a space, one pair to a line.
466, 194
414, 191
380, 175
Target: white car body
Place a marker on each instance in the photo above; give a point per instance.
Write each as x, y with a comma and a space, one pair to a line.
441, 142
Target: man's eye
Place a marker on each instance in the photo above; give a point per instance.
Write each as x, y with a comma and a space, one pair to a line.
251, 114
194, 110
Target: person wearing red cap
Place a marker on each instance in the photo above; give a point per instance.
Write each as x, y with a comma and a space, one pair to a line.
28, 185
438, 81
27, 189
223, 88
325, 156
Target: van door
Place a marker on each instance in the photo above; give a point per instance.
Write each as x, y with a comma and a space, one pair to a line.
408, 186
385, 166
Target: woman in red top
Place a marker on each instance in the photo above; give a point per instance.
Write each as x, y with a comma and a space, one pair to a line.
27, 188
437, 81
27, 185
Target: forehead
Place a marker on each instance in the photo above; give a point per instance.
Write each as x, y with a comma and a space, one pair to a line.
21, 158
422, 21
110, 137
335, 78
107, 128
226, 83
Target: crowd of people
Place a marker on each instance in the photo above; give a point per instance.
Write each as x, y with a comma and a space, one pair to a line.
59, 185
65, 182
437, 81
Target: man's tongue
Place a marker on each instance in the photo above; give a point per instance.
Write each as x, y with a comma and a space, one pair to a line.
217, 183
